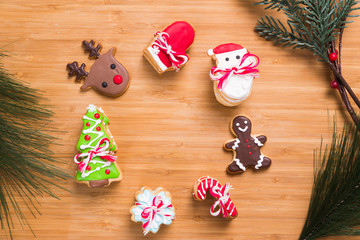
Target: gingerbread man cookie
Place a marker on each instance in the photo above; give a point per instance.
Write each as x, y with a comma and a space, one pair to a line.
246, 148
106, 75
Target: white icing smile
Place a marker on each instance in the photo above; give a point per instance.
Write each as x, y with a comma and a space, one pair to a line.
242, 129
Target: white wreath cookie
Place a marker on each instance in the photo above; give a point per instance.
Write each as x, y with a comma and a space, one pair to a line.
152, 208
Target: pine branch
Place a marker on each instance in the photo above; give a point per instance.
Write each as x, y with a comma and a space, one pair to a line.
335, 201
273, 4
27, 168
313, 23
273, 29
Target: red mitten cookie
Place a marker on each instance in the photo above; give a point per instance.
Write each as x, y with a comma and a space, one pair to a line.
106, 75
167, 51
245, 147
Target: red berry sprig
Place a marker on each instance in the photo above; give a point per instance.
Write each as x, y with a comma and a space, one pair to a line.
333, 57
334, 84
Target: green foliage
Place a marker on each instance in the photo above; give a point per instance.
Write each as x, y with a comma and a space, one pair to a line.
314, 25
27, 168
335, 200
311, 24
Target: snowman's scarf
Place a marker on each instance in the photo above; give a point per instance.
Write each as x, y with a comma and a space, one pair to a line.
221, 75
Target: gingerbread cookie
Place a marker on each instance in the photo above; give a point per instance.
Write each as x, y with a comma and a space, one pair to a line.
167, 51
223, 203
233, 74
152, 208
106, 75
246, 148
97, 165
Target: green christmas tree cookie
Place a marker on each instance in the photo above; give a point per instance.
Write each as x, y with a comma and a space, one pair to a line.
97, 163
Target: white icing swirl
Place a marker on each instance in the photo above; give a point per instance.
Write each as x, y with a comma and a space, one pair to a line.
91, 130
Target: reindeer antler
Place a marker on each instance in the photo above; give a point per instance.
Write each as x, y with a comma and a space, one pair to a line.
76, 70
94, 52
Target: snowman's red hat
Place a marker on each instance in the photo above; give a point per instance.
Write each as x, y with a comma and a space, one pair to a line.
224, 48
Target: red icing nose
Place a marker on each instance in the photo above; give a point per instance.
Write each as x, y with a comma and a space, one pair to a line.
117, 79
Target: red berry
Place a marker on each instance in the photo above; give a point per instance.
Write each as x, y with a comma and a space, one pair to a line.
332, 57
98, 128
88, 124
117, 79
107, 171
334, 84
88, 168
87, 137
96, 115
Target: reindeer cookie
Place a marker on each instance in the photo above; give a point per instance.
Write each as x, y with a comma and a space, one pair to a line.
246, 148
106, 75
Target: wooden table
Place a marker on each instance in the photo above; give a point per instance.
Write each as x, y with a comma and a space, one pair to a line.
170, 129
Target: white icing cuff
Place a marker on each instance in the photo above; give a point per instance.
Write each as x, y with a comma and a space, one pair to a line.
259, 163
236, 144
257, 142
239, 164
157, 59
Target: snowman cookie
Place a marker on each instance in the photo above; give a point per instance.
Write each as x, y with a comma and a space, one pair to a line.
167, 50
246, 148
233, 74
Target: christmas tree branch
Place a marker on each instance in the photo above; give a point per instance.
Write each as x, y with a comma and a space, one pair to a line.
313, 25
334, 207
28, 169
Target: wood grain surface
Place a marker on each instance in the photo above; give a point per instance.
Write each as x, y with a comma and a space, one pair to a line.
170, 129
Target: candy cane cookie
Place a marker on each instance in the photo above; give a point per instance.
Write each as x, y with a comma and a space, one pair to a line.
223, 204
